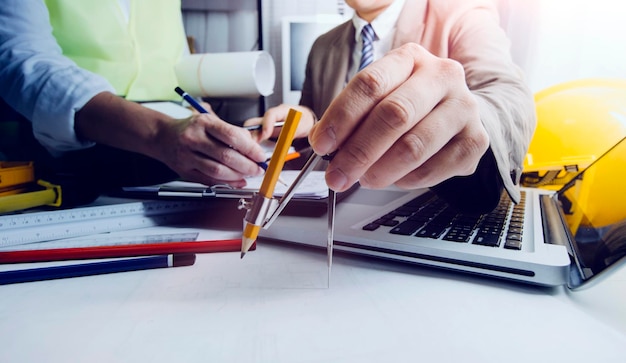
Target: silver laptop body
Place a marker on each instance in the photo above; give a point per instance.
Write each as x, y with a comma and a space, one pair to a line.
535, 245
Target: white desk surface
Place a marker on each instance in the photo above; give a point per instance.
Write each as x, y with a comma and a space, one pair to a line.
274, 306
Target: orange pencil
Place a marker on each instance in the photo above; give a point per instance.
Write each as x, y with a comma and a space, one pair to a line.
292, 156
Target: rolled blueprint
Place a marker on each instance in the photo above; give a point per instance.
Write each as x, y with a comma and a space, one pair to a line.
234, 74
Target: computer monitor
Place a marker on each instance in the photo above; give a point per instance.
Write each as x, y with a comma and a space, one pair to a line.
298, 34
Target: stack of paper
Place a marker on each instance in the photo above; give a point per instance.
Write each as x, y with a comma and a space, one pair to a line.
312, 187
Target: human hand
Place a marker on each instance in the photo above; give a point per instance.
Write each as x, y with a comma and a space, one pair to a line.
205, 149
407, 119
277, 114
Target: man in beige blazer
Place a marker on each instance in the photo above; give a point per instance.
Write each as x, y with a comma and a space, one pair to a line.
445, 107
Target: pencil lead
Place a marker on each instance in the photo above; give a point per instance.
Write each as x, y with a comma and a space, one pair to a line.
283, 182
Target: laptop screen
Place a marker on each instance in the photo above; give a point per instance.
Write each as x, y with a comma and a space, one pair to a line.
594, 207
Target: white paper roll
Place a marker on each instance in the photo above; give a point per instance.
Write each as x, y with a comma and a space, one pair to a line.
235, 74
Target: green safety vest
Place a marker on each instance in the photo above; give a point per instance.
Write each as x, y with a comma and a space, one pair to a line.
136, 56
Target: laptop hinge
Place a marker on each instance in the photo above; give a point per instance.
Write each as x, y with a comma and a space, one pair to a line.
554, 232
553, 225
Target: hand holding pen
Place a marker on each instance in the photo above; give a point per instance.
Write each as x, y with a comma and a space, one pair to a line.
208, 150
270, 125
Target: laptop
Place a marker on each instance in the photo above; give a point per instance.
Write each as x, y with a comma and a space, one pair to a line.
551, 238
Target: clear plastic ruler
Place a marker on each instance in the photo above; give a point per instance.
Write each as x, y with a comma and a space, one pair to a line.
30, 227
108, 239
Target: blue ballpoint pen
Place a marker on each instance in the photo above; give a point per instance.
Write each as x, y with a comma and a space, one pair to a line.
96, 268
192, 101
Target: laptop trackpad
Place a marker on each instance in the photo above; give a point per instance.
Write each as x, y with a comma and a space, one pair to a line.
375, 196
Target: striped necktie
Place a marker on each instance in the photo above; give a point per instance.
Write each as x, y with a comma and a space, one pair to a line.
367, 52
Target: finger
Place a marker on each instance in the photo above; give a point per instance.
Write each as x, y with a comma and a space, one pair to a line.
234, 137
267, 123
459, 157
232, 147
256, 133
231, 160
270, 118
390, 119
200, 176
428, 137
217, 161
253, 121
362, 93
198, 160
207, 106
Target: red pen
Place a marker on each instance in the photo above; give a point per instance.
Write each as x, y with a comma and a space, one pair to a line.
83, 253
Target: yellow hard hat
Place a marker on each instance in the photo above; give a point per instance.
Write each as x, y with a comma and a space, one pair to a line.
597, 197
577, 121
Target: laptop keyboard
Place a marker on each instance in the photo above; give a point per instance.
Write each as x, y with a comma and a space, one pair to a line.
431, 217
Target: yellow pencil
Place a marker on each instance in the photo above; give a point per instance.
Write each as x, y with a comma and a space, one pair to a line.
251, 230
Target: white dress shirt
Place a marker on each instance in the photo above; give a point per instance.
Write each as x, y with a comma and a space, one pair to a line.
385, 28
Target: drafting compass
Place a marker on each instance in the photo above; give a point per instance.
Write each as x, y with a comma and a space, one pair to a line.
263, 211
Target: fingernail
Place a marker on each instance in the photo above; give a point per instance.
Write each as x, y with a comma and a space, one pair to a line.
325, 142
237, 184
336, 179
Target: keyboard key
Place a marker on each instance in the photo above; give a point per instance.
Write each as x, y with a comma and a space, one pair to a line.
431, 231
389, 222
404, 211
371, 227
491, 240
513, 244
457, 237
406, 228
514, 236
